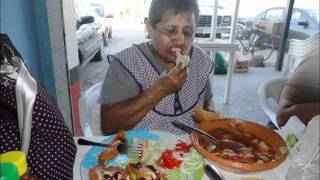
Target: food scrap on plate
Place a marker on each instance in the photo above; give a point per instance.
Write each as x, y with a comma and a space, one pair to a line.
101, 172
159, 160
111, 152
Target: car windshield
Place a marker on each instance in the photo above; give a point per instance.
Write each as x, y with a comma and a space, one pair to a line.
98, 9
314, 14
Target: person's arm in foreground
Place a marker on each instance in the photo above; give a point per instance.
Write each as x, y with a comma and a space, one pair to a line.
126, 114
304, 112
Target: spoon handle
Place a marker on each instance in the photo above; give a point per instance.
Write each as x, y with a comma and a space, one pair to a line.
90, 143
187, 128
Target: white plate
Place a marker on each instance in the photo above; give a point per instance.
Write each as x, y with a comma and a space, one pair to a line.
90, 158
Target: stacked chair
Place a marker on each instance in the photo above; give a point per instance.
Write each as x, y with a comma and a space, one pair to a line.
299, 50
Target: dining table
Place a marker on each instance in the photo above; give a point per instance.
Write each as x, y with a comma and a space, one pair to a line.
276, 173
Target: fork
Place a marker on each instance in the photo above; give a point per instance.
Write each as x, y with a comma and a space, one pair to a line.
123, 148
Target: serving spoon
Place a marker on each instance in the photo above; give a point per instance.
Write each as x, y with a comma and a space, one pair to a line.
188, 129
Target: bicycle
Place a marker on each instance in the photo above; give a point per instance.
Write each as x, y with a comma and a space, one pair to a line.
256, 41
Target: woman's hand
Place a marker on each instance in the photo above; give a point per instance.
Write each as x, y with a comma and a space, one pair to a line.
173, 81
305, 112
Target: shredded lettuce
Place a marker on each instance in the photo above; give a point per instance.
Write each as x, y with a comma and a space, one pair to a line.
191, 168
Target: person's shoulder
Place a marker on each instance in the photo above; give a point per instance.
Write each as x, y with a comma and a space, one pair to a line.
134, 47
197, 49
127, 54
199, 53
311, 61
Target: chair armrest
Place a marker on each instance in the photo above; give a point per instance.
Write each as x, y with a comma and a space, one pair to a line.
271, 89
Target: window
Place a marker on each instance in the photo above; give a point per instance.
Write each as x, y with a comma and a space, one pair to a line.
274, 14
297, 17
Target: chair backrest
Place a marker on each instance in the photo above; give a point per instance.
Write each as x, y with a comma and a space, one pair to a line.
269, 93
89, 108
299, 50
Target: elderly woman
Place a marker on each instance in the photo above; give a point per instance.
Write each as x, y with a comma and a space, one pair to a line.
144, 88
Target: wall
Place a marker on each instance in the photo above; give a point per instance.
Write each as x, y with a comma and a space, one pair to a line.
59, 56
71, 48
25, 22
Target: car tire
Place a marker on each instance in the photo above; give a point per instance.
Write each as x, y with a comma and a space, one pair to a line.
79, 56
105, 40
110, 33
100, 54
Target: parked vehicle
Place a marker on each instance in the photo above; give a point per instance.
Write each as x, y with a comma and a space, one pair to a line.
104, 17
204, 24
304, 22
90, 33
205, 19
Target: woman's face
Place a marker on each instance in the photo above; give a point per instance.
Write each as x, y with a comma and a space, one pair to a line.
174, 31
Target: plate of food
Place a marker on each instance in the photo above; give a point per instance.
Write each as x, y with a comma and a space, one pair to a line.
162, 156
243, 147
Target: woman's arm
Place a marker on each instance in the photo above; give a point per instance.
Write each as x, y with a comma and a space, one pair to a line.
126, 114
304, 112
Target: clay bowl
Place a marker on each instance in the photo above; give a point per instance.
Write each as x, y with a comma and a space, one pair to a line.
264, 133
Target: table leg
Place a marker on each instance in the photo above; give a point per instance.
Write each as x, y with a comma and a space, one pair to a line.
229, 78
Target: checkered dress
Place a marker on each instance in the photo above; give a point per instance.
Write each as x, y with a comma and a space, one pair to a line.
176, 106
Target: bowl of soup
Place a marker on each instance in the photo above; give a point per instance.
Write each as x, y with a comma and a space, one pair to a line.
244, 146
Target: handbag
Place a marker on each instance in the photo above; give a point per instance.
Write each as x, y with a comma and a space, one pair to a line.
14, 69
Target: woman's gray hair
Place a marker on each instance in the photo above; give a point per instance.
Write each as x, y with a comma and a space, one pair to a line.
158, 7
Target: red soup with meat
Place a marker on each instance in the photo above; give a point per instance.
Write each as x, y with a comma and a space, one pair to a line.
240, 146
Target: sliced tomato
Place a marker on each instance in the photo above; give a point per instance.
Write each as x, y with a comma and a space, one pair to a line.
183, 146
167, 160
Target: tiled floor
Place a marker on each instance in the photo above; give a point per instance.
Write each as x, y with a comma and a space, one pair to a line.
244, 102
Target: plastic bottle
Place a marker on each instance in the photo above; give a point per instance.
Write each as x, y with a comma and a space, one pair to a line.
18, 158
8, 171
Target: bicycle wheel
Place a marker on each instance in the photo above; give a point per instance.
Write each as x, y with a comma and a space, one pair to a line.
263, 44
243, 36
241, 32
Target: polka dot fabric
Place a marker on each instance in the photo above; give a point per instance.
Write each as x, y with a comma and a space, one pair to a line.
52, 150
177, 106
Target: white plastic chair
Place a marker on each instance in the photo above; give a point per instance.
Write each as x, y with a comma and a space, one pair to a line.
269, 93
88, 101
299, 50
